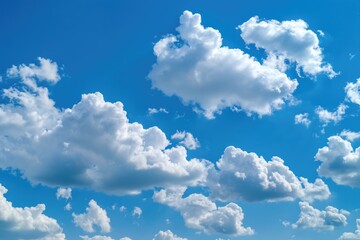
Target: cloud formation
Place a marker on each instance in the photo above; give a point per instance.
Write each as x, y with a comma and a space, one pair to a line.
26, 223
326, 116
352, 236
188, 66
340, 162
291, 40
167, 235
186, 139
92, 145
94, 216
302, 118
313, 218
199, 212
63, 193
352, 92
247, 176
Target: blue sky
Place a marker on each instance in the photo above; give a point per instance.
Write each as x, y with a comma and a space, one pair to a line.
174, 120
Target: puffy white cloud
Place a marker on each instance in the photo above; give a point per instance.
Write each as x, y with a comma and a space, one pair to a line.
93, 144
198, 69
349, 135
97, 237
291, 40
326, 116
199, 212
137, 212
63, 193
302, 118
167, 235
26, 223
122, 209
327, 219
340, 162
68, 207
352, 92
46, 71
125, 238
247, 176
350, 235
152, 111
186, 139
94, 215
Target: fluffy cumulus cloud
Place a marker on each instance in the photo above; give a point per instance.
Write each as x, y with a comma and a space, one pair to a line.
94, 216
340, 162
97, 237
186, 139
125, 238
313, 218
152, 111
247, 176
352, 236
167, 235
352, 92
63, 193
199, 212
197, 68
291, 40
327, 117
137, 212
350, 135
93, 144
302, 118
26, 223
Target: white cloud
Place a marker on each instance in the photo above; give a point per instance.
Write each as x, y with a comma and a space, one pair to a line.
122, 209
302, 118
199, 212
167, 235
290, 40
26, 223
94, 215
349, 135
198, 69
152, 111
186, 139
247, 176
125, 238
340, 162
46, 71
137, 212
326, 117
68, 207
93, 144
350, 235
352, 92
327, 219
63, 193
97, 237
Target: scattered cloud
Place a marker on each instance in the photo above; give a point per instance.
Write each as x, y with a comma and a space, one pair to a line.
122, 209
313, 218
94, 216
349, 135
167, 235
302, 118
352, 236
92, 145
352, 92
63, 193
97, 237
68, 207
125, 238
326, 116
291, 40
186, 139
152, 111
188, 67
199, 212
247, 176
340, 162
26, 223
137, 212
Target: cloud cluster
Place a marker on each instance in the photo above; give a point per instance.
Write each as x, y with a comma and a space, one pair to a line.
340, 162
247, 176
313, 218
186, 139
303, 118
287, 40
352, 92
63, 193
167, 235
326, 116
94, 216
92, 144
26, 223
350, 135
198, 69
199, 212
97, 237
